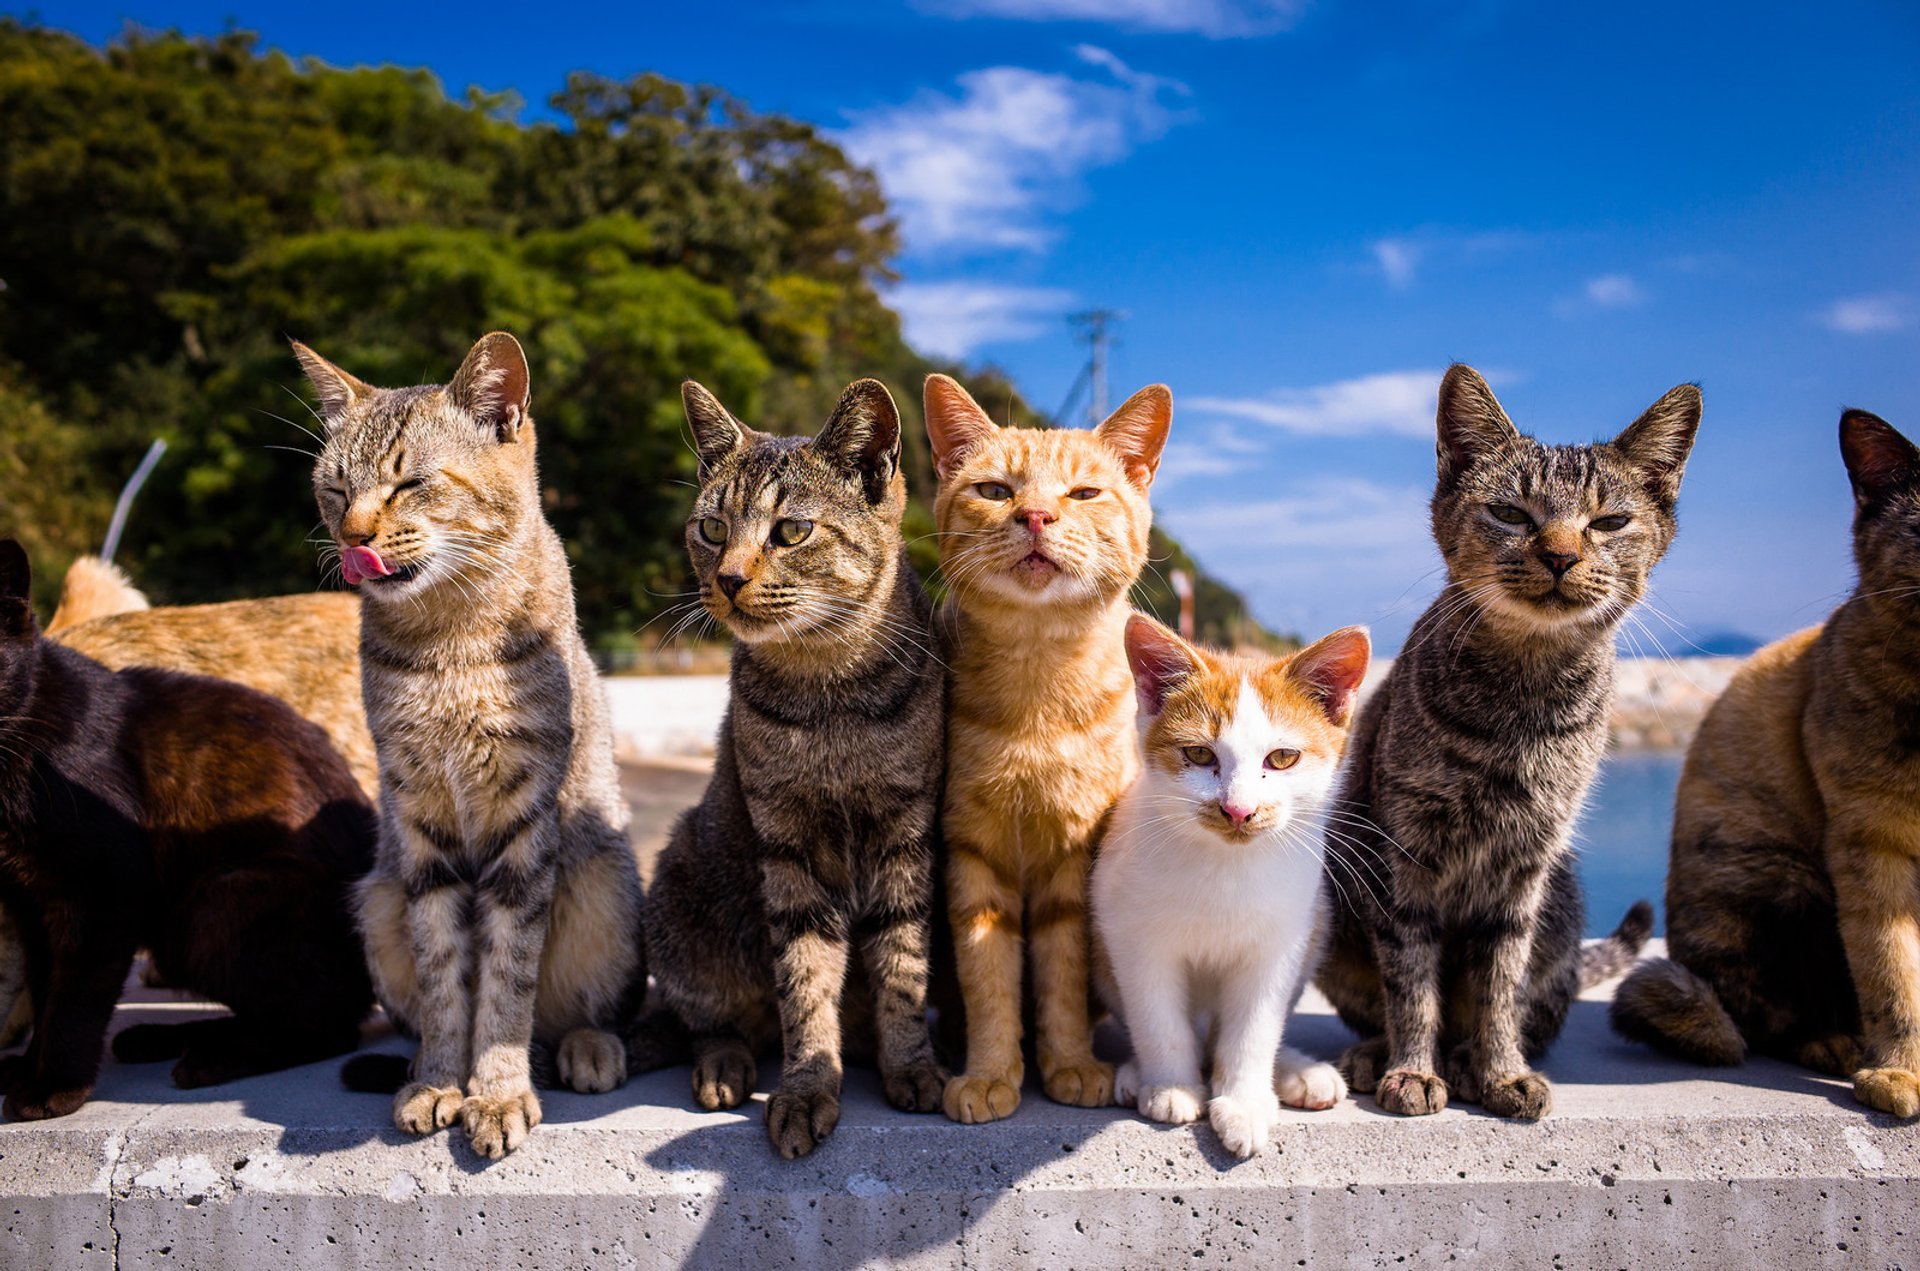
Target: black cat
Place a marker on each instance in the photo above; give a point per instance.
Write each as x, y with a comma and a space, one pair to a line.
192, 817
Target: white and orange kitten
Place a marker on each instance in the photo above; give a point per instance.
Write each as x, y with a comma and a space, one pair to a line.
1208, 897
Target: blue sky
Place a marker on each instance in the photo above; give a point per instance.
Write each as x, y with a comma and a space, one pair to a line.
1307, 208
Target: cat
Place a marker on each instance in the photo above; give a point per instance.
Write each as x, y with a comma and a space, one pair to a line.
1042, 533
199, 819
504, 904
1469, 765
93, 588
1208, 895
1794, 888
815, 840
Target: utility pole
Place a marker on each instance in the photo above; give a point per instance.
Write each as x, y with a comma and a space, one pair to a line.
1098, 324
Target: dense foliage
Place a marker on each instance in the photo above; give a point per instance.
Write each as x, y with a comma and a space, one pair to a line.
173, 208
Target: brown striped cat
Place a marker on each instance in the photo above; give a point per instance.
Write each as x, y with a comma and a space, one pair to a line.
1042, 534
504, 905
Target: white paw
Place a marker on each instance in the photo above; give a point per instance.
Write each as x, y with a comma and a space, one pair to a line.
1244, 1124
1313, 1086
1174, 1105
1126, 1085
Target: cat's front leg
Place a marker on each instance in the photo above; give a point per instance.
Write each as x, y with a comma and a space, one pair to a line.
1163, 1079
439, 934
983, 902
74, 1004
1876, 885
894, 935
513, 903
1245, 1107
808, 922
1408, 949
1495, 971
1057, 929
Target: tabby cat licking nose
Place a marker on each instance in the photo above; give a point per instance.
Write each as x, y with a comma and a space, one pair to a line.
504, 905
1462, 953
1793, 897
1042, 533
1208, 897
810, 858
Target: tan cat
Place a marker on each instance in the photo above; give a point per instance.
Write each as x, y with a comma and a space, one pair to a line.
1042, 533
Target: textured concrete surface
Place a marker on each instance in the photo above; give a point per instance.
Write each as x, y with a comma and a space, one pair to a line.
1643, 1163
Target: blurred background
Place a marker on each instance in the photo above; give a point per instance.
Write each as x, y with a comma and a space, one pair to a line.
1295, 212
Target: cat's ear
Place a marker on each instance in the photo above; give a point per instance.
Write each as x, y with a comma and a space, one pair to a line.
716, 433
492, 385
1159, 660
1659, 442
955, 423
862, 436
338, 390
1470, 422
16, 586
1331, 669
1879, 460
1137, 432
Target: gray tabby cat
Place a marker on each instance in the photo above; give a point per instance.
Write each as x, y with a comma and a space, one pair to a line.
814, 843
504, 904
1458, 937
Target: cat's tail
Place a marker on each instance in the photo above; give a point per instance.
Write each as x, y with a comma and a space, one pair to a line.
1604, 959
658, 1039
1671, 1009
94, 589
376, 1073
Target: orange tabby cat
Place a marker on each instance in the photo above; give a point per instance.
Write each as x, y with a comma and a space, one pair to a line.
1042, 533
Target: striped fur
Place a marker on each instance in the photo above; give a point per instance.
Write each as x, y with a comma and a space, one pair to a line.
808, 866
505, 903
1456, 943
1793, 893
1042, 534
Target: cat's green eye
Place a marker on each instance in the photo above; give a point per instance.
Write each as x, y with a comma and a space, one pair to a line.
713, 529
791, 532
998, 491
1282, 759
1608, 524
1507, 514
1198, 756
1084, 493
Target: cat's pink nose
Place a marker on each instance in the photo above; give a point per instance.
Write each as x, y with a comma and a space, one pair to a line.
1237, 814
1037, 519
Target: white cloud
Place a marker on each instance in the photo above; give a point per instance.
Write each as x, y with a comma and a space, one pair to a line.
1400, 403
1398, 259
952, 319
1615, 291
981, 169
1867, 315
1218, 19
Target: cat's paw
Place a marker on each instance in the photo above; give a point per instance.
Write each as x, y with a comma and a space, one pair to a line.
1895, 1090
1244, 1123
1083, 1085
1126, 1085
498, 1126
973, 1100
1172, 1105
724, 1078
1411, 1094
1525, 1095
915, 1087
1363, 1063
31, 1102
591, 1061
799, 1120
1310, 1086
1838, 1055
420, 1108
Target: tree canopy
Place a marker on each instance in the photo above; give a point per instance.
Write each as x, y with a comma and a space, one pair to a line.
173, 208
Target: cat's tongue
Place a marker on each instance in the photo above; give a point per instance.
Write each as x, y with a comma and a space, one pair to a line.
357, 564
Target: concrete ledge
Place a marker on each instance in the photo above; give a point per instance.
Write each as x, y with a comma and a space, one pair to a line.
1644, 1162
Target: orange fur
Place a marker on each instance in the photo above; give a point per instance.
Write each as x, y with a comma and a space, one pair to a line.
1039, 735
